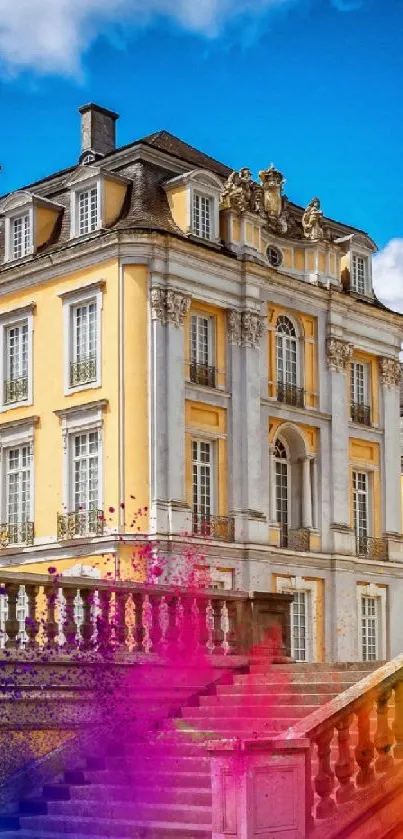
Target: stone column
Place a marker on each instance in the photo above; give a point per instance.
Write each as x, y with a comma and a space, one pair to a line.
244, 331
389, 369
338, 355
170, 512
306, 494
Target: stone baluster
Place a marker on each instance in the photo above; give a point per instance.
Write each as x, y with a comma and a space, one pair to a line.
324, 780
195, 624
87, 626
31, 622
147, 623
364, 752
103, 625
224, 624
383, 736
344, 766
180, 623
398, 722
51, 626
121, 627
210, 627
131, 623
12, 624
70, 627
163, 622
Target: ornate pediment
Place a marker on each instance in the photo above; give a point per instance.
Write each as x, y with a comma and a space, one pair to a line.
242, 194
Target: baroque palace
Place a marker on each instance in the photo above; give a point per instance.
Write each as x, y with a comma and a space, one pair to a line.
191, 360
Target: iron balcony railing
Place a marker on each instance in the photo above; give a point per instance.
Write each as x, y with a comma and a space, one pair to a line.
360, 413
16, 390
83, 372
290, 394
295, 540
17, 534
221, 528
202, 374
80, 523
372, 548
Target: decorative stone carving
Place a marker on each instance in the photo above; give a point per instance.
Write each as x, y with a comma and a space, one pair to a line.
177, 306
390, 371
338, 354
158, 308
234, 327
252, 329
312, 221
239, 192
245, 328
274, 202
169, 305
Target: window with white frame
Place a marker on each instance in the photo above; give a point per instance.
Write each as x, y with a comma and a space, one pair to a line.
288, 368
85, 471
202, 484
16, 363
369, 628
17, 495
83, 365
82, 345
359, 273
303, 616
20, 236
202, 369
361, 509
282, 489
299, 626
87, 211
202, 220
359, 393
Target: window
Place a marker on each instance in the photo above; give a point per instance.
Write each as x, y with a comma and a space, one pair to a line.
202, 478
369, 628
202, 371
359, 273
305, 627
85, 471
361, 510
274, 256
16, 346
21, 238
359, 393
287, 363
282, 488
83, 366
18, 495
299, 626
202, 215
87, 211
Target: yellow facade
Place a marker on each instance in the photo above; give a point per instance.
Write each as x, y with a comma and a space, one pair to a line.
210, 422
219, 337
364, 455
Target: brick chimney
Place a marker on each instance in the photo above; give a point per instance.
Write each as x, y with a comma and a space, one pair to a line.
98, 132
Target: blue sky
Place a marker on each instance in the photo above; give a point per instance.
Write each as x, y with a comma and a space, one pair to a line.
311, 85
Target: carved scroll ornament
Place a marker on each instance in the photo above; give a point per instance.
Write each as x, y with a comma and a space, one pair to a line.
245, 328
390, 372
169, 306
338, 354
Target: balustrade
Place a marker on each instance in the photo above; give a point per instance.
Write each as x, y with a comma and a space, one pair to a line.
70, 614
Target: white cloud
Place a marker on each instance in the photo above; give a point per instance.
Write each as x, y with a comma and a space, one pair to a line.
50, 36
388, 274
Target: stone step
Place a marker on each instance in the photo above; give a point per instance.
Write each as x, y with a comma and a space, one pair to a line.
167, 794
299, 678
272, 689
234, 727
266, 710
111, 829
304, 666
132, 811
183, 763
249, 698
176, 778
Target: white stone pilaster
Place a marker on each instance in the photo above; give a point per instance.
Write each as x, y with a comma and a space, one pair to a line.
338, 354
306, 494
390, 379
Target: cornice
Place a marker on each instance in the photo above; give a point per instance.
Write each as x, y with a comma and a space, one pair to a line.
20, 311
97, 405
89, 287
32, 421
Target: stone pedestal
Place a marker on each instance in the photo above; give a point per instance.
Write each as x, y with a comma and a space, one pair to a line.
343, 539
258, 789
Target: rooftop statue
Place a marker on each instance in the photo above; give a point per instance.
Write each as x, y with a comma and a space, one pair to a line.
239, 192
312, 221
274, 202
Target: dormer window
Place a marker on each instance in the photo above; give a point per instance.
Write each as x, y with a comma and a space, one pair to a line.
194, 200
97, 198
87, 207
21, 236
359, 273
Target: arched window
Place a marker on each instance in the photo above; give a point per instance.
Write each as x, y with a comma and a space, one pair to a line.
286, 351
282, 489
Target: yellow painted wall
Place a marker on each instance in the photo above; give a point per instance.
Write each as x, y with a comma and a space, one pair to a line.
136, 396
48, 382
364, 456
309, 432
308, 325
45, 220
310, 260
219, 317
299, 259
236, 229
178, 204
114, 196
208, 419
287, 258
322, 262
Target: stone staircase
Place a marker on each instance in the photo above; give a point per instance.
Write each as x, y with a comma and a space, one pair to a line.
152, 779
